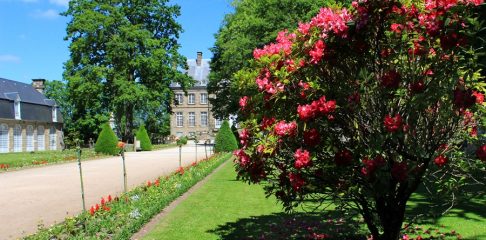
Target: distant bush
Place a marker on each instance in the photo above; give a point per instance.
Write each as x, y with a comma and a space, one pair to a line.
144, 139
107, 141
182, 141
225, 139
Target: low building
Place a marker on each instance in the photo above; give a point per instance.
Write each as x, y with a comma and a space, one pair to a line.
191, 112
28, 120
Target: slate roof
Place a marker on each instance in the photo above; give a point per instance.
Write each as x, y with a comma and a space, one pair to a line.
9, 90
199, 73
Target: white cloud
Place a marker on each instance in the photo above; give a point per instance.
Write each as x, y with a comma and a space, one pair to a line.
48, 14
9, 58
64, 3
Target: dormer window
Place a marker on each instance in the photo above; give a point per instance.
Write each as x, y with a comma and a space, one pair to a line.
18, 116
54, 114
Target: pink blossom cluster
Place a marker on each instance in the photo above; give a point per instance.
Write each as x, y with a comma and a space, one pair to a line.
283, 45
241, 157
447, 4
392, 124
441, 160
371, 165
283, 129
296, 181
267, 122
316, 108
244, 137
328, 20
265, 84
302, 158
244, 102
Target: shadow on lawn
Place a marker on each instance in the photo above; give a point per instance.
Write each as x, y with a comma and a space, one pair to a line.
291, 226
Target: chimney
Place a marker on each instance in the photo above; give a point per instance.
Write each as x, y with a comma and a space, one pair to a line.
199, 58
39, 84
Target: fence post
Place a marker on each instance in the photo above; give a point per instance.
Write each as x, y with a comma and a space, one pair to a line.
180, 156
124, 170
79, 151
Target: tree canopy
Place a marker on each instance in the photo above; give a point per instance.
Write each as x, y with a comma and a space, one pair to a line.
253, 24
124, 56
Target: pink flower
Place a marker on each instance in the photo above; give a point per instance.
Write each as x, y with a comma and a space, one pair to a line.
296, 181
242, 158
286, 129
267, 122
302, 158
312, 137
396, 28
244, 102
317, 52
306, 112
304, 28
244, 136
343, 157
440, 160
479, 97
392, 124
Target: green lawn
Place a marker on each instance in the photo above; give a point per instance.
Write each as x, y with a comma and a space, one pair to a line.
27, 159
224, 208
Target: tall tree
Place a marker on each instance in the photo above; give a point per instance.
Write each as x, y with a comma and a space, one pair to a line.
253, 24
124, 56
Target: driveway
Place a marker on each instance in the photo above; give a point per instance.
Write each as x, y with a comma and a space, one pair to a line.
47, 195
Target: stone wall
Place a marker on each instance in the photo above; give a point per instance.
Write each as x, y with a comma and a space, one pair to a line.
24, 124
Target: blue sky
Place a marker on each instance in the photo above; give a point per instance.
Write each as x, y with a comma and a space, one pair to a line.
32, 32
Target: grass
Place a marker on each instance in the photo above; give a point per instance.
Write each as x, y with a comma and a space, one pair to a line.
28, 159
224, 208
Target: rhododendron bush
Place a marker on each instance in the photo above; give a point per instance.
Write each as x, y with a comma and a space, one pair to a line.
363, 105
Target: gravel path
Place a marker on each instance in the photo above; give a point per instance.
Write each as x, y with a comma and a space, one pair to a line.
48, 194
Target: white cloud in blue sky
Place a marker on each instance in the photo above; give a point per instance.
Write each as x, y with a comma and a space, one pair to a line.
9, 58
47, 14
64, 3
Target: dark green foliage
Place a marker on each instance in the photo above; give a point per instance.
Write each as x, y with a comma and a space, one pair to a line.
107, 141
235, 132
182, 141
225, 139
144, 139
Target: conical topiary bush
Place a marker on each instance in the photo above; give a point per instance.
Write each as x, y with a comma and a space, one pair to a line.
225, 139
144, 139
107, 141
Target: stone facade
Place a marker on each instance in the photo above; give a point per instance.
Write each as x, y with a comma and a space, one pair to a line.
28, 120
192, 112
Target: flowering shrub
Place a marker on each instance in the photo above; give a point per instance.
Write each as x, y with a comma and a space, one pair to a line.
364, 105
120, 217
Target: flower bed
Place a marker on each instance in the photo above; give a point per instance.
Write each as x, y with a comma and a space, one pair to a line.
121, 217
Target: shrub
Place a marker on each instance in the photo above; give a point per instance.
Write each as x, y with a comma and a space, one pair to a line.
363, 106
144, 139
182, 141
225, 139
107, 141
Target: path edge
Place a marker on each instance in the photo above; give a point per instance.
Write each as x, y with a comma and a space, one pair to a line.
150, 225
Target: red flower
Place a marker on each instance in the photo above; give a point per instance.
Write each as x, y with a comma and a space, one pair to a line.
120, 145
312, 137
306, 112
109, 198
92, 211
106, 208
267, 122
479, 97
343, 157
149, 184
396, 28
302, 158
392, 124
317, 52
244, 136
296, 181
157, 182
474, 131
399, 171
464, 98
286, 129
97, 207
180, 170
440, 160
391, 79
244, 102
242, 158
371, 165
481, 153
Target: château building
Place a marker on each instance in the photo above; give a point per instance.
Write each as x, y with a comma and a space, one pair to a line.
28, 120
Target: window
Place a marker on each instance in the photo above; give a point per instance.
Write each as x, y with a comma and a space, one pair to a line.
4, 140
17, 138
192, 119
204, 98
192, 98
179, 98
29, 132
54, 114
179, 134
204, 119
179, 119
217, 123
17, 109
52, 139
41, 146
